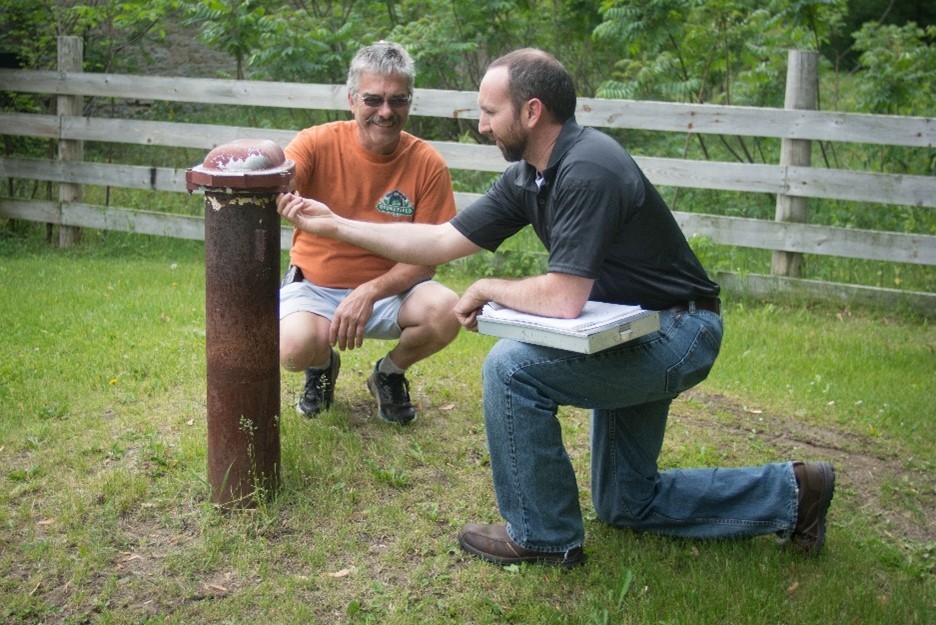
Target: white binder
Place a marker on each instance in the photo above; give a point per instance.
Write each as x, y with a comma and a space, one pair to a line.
600, 326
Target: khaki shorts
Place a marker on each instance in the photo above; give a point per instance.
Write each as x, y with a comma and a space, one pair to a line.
303, 296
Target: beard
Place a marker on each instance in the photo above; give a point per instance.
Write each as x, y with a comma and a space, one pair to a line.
513, 144
513, 152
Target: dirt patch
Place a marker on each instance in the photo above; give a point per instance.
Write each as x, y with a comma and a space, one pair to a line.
898, 497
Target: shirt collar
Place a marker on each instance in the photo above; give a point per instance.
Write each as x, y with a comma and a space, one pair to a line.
567, 138
569, 134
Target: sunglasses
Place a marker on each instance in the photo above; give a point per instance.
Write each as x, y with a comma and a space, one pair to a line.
395, 102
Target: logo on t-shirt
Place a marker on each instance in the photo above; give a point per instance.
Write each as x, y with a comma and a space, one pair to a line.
395, 203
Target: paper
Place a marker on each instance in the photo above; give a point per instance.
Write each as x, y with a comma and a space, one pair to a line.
594, 315
599, 327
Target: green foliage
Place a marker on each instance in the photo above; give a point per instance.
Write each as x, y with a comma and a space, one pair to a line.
26, 33
233, 26
811, 22
719, 51
109, 30
723, 51
298, 47
452, 43
442, 60
840, 49
899, 64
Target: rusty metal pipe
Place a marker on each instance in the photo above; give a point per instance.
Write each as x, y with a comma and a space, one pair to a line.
242, 246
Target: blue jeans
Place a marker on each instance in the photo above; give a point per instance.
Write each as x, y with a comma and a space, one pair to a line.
629, 389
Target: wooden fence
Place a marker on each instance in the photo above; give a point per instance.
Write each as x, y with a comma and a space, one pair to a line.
793, 180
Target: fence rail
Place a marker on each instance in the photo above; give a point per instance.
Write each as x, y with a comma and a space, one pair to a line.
776, 179
663, 116
784, 180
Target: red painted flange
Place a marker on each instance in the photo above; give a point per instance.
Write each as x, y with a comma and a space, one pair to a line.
244, 164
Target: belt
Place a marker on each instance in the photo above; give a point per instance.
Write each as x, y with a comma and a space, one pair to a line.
711, 304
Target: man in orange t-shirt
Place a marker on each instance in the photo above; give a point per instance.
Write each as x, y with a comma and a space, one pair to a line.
336, 294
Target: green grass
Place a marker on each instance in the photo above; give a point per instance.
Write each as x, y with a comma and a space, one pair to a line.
104, 503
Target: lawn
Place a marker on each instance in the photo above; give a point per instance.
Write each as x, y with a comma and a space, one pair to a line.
104, 501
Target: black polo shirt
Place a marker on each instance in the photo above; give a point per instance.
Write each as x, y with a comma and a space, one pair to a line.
599, 217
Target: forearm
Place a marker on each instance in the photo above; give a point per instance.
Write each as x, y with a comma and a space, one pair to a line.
410, 243
550, 295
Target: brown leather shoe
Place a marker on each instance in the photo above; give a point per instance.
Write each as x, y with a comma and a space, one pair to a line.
816, 482
491, 543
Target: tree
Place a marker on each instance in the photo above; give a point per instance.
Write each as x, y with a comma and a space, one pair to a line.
719, 51
113, 32
898, 64
840, 50
233, 26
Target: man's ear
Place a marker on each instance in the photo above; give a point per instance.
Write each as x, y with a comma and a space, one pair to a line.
535, 112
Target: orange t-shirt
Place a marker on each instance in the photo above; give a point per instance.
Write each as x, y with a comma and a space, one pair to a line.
412, 184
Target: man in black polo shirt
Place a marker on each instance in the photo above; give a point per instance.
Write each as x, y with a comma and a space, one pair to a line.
610, 238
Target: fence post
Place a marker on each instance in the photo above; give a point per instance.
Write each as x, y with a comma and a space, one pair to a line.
70, 59
802, 92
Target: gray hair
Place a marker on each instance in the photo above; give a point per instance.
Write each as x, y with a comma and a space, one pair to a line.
383, 58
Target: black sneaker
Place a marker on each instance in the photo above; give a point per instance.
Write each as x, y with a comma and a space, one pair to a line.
319, 388
391, 390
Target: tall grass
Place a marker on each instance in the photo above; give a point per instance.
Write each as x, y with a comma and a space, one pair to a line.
104, 503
